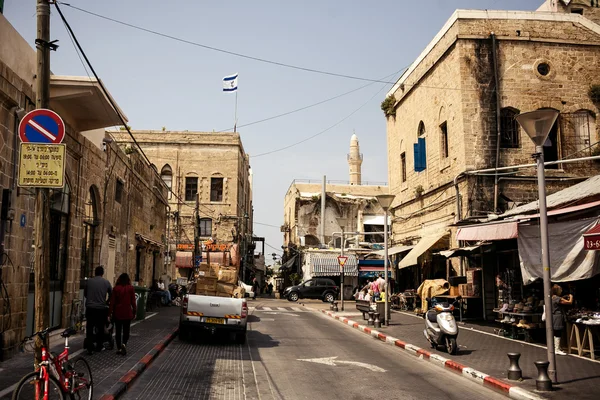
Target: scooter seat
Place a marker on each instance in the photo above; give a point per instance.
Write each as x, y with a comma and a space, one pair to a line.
432, 316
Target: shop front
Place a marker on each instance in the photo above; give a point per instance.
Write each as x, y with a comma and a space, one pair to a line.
325, 264
368, 270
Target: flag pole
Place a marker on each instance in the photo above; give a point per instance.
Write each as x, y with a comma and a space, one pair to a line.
235, 114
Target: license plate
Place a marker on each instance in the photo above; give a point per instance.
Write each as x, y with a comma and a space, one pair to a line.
215, 320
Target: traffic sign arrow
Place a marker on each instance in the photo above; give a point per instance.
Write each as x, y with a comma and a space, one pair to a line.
334, 363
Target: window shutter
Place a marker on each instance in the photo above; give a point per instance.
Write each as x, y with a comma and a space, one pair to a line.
417, 157
423, 153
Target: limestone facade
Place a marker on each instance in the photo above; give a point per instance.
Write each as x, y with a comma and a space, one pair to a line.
216, 168
446, 106
90, 224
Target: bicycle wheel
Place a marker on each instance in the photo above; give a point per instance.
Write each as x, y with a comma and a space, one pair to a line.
83, 385
32, 387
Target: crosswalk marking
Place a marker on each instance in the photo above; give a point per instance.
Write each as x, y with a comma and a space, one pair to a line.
297, 309
282, 309
265, 308
278, 309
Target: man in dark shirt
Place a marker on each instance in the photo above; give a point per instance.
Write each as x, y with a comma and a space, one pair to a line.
97, 293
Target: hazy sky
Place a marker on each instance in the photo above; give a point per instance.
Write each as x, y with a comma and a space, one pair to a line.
161, 82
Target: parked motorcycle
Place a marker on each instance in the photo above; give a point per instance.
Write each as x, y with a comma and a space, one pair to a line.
440, 326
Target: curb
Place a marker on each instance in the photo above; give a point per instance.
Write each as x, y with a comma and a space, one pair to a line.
498, 385
118, 389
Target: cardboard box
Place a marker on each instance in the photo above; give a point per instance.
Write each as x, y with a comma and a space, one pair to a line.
208, 270
239, 292
206, 283
453, 290
226, 288
222, 294
207, 292
228, 275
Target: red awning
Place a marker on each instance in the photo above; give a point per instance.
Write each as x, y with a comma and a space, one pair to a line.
183, 259
560, 211
500, 231
591, 239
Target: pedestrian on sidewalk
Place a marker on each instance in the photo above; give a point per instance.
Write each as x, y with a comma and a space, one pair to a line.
123, 308
558, 315
97, 292
165, 292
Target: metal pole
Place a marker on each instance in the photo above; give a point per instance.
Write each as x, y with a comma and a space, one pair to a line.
42, 203
323, 205
342, 272
385, 268
545, 261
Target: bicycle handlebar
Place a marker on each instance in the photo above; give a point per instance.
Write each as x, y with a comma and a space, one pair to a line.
41, 334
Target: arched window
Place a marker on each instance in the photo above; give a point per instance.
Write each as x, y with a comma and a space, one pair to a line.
90, 222
205, 227
509, 128
166, 174
421, 131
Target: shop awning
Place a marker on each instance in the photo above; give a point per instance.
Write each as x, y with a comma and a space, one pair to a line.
288, 263
394, 250
183, 259
147, 240
498, 231
461, 251
425, 244
327, 265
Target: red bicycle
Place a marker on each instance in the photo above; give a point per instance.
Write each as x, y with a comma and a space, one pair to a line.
56, 377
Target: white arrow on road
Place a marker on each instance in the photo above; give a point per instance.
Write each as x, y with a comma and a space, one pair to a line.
333, 362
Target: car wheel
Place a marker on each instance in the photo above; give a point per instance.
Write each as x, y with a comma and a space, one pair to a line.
293, 296
329, 297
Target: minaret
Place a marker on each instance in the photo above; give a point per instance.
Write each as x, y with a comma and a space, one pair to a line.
354, 161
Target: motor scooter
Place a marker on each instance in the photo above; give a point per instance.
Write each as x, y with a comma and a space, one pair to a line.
440, 326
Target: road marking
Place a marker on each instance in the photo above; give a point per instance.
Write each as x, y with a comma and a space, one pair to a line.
267, 308
333, 362
282, 309
281, 313
297, 309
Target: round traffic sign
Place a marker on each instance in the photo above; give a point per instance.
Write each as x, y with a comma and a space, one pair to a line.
42, 126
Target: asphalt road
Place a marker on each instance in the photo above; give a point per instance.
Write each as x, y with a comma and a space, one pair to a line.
282, 336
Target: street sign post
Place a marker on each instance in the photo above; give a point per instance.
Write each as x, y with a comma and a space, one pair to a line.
342, 261
42, 126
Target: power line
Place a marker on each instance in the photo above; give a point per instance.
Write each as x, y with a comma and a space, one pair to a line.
263, 60
272, 226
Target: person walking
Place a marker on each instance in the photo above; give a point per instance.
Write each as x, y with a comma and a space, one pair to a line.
123, 308
558, 316
96, 292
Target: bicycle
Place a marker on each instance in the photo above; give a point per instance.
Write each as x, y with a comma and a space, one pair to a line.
56, 377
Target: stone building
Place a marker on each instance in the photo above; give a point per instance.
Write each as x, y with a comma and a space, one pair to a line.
451, 114
111, 210
212, 168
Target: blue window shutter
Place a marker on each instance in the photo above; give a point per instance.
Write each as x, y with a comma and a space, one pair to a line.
417, 157
423, 153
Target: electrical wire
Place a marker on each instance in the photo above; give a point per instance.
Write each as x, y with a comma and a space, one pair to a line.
263, 60
261, 223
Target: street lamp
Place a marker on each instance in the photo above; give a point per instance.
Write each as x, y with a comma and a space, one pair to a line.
385, 201
537, 124
342, 221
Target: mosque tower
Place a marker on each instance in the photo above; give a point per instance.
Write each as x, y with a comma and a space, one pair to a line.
355, 160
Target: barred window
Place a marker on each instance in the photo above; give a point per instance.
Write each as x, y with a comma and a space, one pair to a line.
509, 128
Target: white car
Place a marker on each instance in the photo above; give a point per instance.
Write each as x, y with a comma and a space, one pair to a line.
248, 288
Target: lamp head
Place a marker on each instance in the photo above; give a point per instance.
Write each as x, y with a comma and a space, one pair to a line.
385, 200
537, 124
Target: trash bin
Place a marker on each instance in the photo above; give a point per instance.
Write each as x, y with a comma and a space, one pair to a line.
141, 296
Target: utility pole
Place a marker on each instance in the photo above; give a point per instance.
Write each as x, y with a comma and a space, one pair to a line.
42, 202
197, 250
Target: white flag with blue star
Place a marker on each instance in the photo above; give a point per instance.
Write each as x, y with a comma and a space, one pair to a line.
230, 83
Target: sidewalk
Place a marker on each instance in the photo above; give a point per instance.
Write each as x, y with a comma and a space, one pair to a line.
107, 367
486, 352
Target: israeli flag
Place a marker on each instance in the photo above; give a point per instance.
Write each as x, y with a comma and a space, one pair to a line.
230, 83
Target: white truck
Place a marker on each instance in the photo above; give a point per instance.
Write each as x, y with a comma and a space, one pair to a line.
216, 314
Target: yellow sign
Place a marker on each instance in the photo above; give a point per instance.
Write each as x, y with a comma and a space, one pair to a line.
42, 165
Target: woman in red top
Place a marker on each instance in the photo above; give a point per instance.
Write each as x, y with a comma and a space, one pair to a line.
122, 310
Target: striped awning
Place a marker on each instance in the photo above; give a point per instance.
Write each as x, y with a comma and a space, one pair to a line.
327, 265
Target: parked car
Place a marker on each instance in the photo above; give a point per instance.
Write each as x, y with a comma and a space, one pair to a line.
316, 288
248, 288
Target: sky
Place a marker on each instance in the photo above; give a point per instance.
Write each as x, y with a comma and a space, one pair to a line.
160, 82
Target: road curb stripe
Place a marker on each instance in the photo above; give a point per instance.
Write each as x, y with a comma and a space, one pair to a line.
498, 385
126, 380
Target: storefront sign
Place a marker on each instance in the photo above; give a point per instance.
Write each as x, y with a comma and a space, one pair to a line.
42, 165
591, 239
217, 247
185, 246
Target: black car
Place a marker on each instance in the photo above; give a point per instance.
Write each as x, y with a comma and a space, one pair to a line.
316, 288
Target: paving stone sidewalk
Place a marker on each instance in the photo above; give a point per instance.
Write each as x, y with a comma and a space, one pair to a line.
107, 367
579, 378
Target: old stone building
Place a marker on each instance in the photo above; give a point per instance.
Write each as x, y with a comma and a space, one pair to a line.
451, 114
111, 210
211, 168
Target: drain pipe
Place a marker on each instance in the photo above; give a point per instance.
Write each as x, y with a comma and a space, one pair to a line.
457, 218
498, 133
